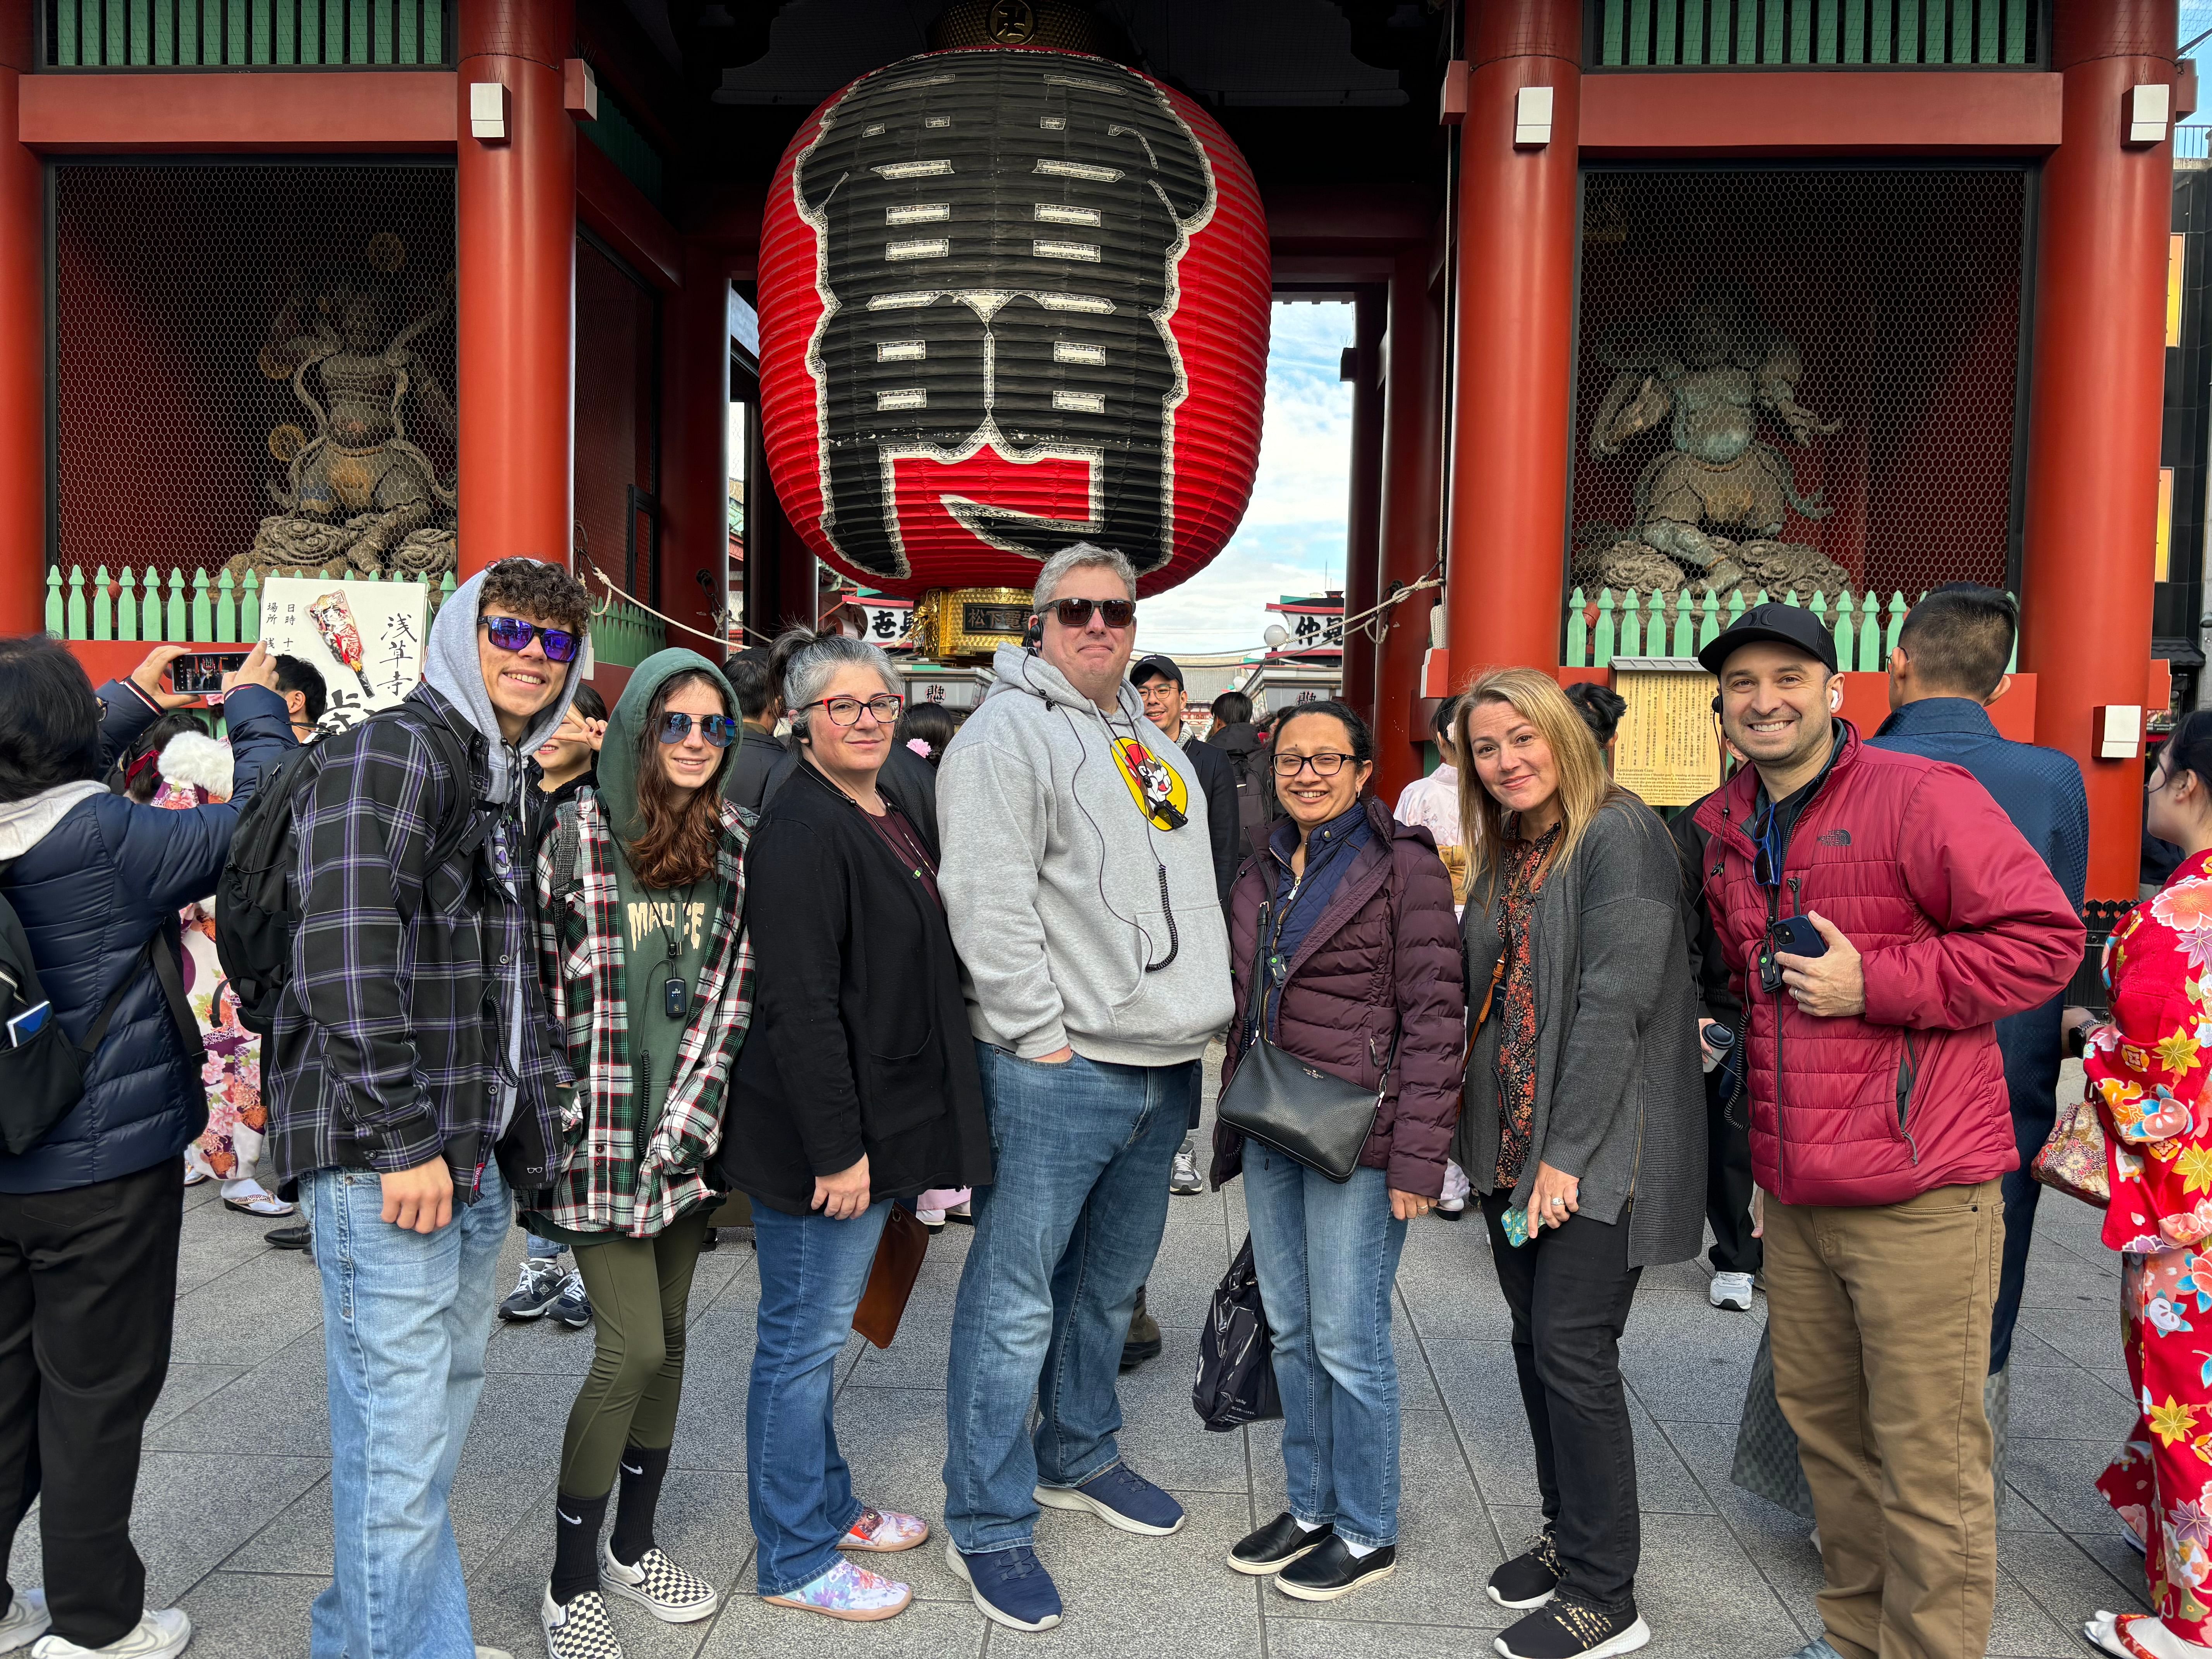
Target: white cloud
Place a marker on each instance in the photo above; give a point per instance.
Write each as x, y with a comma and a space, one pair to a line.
1292, 539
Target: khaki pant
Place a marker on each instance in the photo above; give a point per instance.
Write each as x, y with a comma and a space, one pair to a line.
1880, 1319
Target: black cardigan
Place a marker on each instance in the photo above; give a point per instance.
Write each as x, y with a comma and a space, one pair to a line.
860, 1037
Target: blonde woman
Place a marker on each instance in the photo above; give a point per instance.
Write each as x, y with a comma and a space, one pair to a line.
1583, 1088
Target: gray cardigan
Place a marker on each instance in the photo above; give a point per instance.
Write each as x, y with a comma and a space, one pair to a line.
1621, 1098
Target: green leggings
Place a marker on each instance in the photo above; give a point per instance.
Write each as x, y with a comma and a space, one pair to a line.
638, 1289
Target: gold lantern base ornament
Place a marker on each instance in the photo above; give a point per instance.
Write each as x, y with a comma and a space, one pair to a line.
952, 623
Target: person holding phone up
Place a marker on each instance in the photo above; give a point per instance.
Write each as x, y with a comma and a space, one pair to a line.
1583, 1127
1878, 912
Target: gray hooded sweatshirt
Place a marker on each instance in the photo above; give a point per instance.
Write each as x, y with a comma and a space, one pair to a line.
1053, 879
452, 666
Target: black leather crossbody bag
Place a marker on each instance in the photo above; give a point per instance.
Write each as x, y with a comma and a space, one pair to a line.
1290, 1105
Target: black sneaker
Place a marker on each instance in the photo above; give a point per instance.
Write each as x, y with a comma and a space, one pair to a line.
1275, 1545
1569, 1628
1528, 1579
1331, 1571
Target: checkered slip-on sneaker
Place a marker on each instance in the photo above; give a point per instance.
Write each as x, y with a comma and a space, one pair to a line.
884, 1532
659, 1585
579, 1629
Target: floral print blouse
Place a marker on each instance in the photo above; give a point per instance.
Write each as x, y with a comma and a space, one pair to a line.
2147, 1067
1521, 868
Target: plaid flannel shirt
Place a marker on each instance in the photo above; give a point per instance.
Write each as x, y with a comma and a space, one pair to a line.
605, 1185
391, 1038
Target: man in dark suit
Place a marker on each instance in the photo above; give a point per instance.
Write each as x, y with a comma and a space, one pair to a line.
1950, 662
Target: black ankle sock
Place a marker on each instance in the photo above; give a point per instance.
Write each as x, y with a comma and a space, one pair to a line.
577, 1521
642, 1471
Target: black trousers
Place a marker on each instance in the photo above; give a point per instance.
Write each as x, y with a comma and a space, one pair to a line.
1728, 1178
88, 1299
1569, 1289
2030, 1129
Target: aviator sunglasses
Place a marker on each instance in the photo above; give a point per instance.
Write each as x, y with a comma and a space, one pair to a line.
513, 634
721, 730
1076, 613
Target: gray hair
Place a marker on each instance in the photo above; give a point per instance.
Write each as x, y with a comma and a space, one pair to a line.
1081, 555
815, 662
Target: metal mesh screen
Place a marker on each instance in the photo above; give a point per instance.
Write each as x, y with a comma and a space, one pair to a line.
254, 367
1797, 378
616, 344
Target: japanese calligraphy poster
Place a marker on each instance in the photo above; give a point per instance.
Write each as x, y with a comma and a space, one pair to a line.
1668, 750
365, 638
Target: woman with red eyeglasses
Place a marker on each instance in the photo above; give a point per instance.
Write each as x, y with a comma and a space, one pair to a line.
647, 974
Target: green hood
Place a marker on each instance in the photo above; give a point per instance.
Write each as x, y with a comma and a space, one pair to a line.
617, 786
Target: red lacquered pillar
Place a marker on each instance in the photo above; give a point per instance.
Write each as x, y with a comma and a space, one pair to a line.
1513, 357
1412, 413
518, 286
22, 345
694, 456
2096, 406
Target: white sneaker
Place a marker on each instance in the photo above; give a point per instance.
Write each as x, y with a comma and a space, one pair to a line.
25, 1620
1731, 1291
160, 1635
1184, 1178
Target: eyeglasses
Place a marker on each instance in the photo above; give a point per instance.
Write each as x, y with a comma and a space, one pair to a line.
513, 634
846, 711
718, 729
1324, 766
1076, 613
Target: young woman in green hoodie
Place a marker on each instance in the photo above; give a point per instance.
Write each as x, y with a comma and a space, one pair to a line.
640, 893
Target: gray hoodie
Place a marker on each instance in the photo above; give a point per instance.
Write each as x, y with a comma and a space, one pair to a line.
452, 667
1052, 880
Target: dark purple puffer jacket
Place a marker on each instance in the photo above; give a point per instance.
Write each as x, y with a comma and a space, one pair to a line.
1385, 951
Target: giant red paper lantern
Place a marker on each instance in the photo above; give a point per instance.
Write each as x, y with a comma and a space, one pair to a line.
1012, 298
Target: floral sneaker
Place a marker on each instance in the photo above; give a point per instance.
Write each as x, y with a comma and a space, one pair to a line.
659, 1586
885, 1532
847, 1592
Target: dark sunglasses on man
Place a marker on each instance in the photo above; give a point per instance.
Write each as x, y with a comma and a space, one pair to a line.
513, 634
1076, 613
718, 729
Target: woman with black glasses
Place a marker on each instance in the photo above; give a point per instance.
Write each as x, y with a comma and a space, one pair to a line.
1584, 1129
640, 893
1345, 922
858, 1088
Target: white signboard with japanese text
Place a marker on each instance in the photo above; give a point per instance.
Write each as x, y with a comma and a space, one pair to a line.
365, 638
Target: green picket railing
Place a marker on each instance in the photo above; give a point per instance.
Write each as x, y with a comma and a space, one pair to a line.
200, 610
159, 35
1788, 33
1625, 623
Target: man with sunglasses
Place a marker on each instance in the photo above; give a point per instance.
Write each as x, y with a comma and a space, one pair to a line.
412, 1077
1079, 882
1877, 913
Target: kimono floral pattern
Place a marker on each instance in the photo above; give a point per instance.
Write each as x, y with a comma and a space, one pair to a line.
2147, 1071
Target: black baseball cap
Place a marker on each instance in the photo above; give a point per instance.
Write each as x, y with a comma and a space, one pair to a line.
1786, 624
1155, 667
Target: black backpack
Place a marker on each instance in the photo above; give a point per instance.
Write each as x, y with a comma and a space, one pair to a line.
257, 910
1255, 813
44, 1076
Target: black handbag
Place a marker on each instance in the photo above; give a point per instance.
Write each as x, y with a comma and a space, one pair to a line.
1236, 1381
1290, 1105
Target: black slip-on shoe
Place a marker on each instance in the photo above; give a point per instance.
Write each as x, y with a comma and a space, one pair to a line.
1275, 1545
1528, 1579
1567, 1628
1332, 1570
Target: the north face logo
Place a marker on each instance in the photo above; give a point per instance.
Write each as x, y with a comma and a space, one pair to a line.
1835, 838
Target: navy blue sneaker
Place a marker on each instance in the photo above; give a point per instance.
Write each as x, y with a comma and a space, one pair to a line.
1010, 1585
1121, 1498
572, 1307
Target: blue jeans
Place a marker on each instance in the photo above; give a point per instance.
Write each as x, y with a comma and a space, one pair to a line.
1327, 1256
405, 1317
541, 1249
799, 1487
1064, 1237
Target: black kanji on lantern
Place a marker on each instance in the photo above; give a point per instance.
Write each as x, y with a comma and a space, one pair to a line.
1000, 235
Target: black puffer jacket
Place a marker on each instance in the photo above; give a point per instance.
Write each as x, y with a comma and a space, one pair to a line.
92, 879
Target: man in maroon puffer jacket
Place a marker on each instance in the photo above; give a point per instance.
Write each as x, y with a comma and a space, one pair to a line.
1880, 1125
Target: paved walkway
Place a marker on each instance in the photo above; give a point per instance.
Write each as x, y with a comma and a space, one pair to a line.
233, 1502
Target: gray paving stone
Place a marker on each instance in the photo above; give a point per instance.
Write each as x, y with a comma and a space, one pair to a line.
748, 1627
246, 1615
258, 1306
196, 1389
214, 1240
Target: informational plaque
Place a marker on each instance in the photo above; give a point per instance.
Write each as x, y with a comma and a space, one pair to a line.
366, 638
1668, 749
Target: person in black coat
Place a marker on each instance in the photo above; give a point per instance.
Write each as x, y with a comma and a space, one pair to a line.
856, 1087
1159, 682
760, 705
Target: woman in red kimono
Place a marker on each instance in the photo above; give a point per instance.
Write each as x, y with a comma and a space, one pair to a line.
2147, 1069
